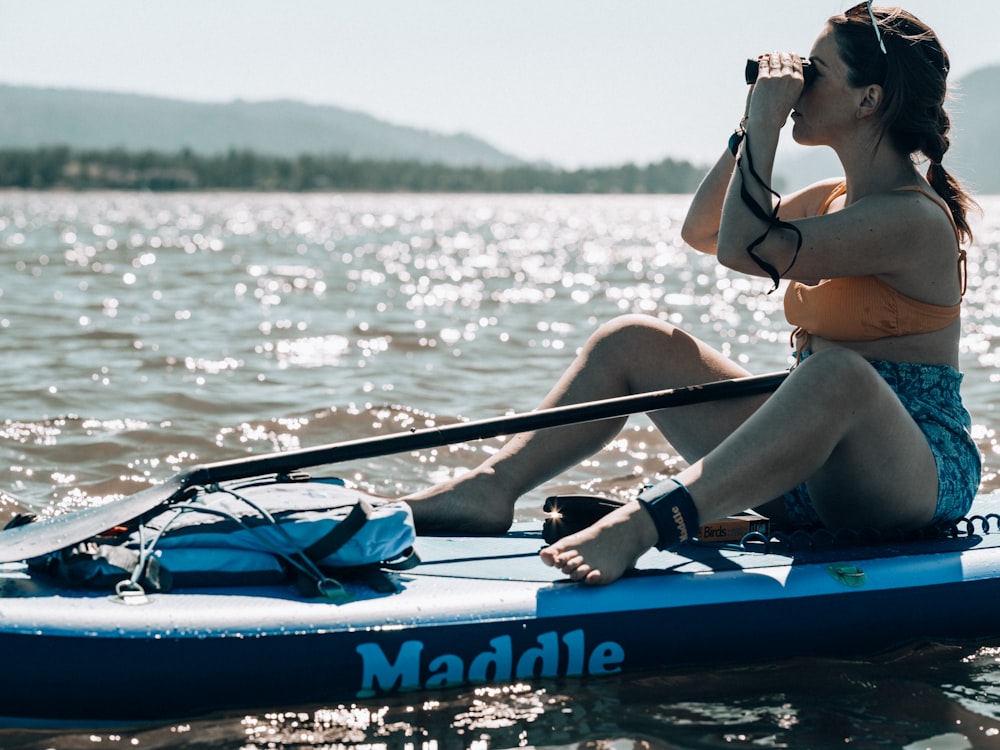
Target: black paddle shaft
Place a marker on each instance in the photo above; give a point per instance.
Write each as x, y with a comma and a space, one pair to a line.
53, 533
435, 437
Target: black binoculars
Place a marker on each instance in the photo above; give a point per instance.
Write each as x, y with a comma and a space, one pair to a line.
808, 71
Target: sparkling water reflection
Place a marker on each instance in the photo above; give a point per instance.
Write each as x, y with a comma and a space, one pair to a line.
145, 333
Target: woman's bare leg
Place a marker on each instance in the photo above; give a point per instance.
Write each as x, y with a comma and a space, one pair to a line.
631, 354
834, 422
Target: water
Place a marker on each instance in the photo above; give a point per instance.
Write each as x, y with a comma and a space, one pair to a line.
145, 333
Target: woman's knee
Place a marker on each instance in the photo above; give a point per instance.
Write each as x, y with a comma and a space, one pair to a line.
634, 324
651, 353
633, 334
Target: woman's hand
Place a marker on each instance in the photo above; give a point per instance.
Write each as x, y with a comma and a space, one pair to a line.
779, 86
780, 79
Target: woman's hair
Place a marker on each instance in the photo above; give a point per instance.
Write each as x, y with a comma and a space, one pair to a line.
913, 73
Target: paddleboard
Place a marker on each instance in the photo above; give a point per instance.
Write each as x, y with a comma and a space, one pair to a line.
485, 609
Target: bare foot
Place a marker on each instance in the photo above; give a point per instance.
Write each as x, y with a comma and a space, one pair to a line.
470, 504
600, 554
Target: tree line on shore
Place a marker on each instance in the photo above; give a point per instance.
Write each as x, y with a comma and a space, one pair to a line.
62, 167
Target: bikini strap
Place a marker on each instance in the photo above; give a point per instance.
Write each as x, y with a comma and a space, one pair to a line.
838, 190
799, 341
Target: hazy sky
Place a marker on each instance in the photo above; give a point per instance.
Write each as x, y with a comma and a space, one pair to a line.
575, 82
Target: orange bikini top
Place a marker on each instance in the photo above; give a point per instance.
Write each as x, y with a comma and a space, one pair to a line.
865, 308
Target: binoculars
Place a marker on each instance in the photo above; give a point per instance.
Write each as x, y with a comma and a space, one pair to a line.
808, 71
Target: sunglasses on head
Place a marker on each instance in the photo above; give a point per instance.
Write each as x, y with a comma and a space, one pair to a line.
860, 10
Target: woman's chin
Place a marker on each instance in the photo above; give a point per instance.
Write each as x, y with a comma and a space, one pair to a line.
800, 134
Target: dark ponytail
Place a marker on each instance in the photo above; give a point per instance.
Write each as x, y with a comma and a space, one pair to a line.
943, 182
913, 74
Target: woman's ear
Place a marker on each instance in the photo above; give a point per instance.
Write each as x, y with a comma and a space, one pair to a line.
871, 100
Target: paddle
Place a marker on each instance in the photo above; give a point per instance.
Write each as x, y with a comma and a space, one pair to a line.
48, 535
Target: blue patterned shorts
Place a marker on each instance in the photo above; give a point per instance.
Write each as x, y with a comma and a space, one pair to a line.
930, 393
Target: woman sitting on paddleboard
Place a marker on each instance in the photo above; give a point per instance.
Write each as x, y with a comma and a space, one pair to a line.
869, 429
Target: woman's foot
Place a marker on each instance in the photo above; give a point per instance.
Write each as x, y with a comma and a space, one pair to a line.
602, 553
469, 504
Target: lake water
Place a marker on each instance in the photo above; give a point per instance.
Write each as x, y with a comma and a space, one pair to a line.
144, 333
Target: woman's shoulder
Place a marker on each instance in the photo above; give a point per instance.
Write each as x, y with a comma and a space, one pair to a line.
918, 213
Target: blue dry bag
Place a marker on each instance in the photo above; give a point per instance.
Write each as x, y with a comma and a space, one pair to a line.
257, 532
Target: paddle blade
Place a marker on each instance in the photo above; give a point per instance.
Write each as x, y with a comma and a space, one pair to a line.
51, 534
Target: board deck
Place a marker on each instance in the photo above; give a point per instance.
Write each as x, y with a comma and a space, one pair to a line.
485, 609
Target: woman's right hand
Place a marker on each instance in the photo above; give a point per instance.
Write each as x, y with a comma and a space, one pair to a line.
779, 86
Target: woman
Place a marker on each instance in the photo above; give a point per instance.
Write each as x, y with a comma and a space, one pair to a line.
868, 430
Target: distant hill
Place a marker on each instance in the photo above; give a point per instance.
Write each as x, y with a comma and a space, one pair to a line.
33, 117
975, 153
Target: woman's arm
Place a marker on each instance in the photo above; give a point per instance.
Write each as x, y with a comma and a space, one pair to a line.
701, 225
749, 200
704, 216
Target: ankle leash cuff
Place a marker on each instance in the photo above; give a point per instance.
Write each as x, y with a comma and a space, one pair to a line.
673, 512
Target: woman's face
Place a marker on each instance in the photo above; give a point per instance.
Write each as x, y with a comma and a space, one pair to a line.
827, 109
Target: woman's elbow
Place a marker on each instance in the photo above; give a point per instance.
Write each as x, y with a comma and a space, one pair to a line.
698, 238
